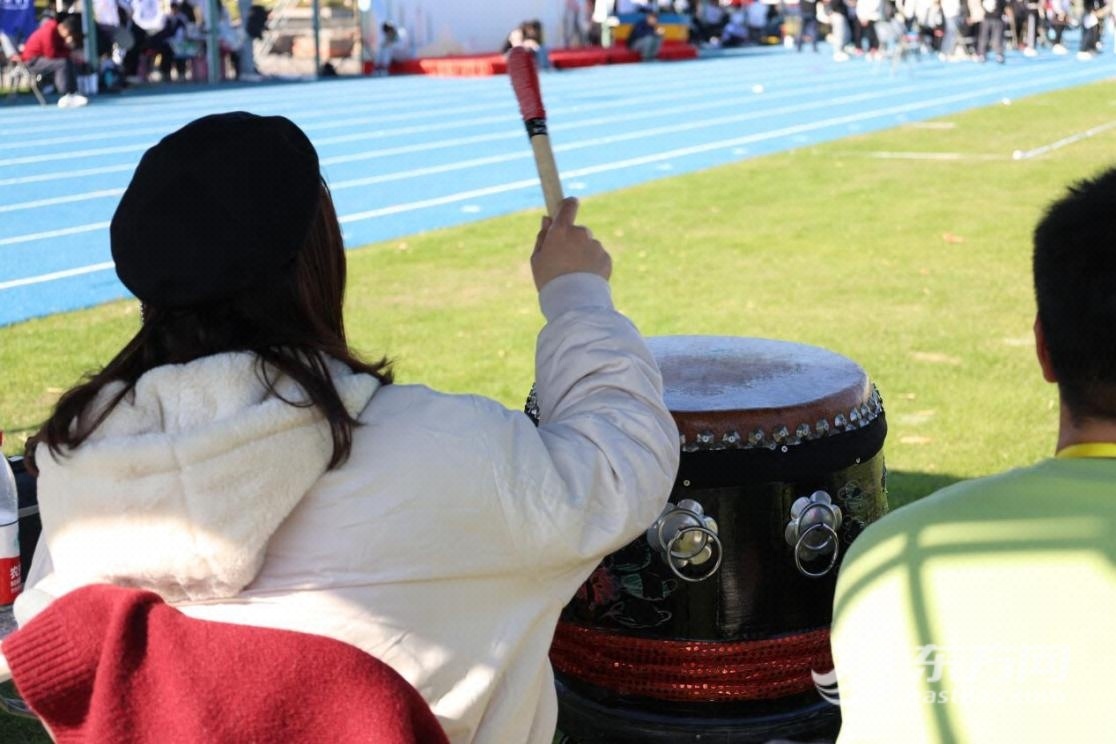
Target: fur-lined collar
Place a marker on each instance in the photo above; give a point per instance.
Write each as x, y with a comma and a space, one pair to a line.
182, 486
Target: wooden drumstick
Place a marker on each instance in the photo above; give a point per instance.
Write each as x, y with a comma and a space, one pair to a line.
525, 83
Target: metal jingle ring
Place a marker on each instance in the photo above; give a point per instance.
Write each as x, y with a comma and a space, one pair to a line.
663, 543
815, 505
713, 539
832, 538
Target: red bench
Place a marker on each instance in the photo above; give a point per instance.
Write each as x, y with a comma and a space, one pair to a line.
477, 65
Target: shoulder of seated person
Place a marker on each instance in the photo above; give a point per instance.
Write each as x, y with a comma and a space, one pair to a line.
953, 501
420, 402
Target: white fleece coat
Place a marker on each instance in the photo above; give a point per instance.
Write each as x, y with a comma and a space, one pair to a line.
446, 545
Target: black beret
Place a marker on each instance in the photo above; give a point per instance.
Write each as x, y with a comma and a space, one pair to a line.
218, 207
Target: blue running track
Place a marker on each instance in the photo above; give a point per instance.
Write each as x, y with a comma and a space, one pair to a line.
404, 155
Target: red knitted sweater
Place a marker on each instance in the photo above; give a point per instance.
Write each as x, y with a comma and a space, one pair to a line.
109, 664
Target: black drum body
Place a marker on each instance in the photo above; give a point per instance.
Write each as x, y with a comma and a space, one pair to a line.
709, 626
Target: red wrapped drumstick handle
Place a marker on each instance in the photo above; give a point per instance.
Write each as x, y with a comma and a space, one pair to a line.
525, 83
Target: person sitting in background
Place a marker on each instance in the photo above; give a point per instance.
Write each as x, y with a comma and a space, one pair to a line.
708, 21
239, 459
394, 47
114, 38
992, 30
529, 35
624, 7
1027, 26
983, 613
1092, 27
973, 18
152, 40
868, 14
1058, 16
575, 23
646, 37
736, 31
837, 13
185, 40
930, 20
54, 48
759, 15
954, 20
230, 39
808, 28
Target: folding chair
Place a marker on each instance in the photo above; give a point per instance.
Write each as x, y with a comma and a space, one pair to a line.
15, 70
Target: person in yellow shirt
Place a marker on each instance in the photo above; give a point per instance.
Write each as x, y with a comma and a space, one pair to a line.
984, 612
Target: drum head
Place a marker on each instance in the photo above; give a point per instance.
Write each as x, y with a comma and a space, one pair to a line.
737, 393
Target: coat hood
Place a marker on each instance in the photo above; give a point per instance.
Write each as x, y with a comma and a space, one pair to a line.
181, 487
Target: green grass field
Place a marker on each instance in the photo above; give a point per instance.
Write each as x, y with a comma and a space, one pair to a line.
919, 269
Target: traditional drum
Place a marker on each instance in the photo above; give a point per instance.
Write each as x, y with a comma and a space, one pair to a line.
708, 627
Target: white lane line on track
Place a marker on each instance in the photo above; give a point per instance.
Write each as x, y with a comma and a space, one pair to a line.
196, 104
558, 113
668, 155
55, 200
108, 126
627, 102
658, 157
327, 92
629, 97
1027, 154
48, 157
642, 160
160, 131
54, 233
515, 135
883, 155
118, 128
58, 175
582, 144
441, 124
611, 166
438, 201
519, 153
43, 278
792, 90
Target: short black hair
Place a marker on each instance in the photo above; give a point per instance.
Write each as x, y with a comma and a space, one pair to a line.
1075, 290
72, 23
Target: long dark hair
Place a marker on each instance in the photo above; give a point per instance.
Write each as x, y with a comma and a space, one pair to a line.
293, 326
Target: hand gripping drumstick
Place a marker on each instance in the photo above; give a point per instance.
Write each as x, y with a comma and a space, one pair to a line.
525, 83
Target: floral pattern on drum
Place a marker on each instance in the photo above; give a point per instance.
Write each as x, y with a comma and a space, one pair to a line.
861, 505
626, 589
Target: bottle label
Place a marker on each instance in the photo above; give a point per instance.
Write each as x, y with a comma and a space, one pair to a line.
11, 580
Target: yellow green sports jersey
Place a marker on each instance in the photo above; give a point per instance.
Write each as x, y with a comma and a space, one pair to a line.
985, 613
